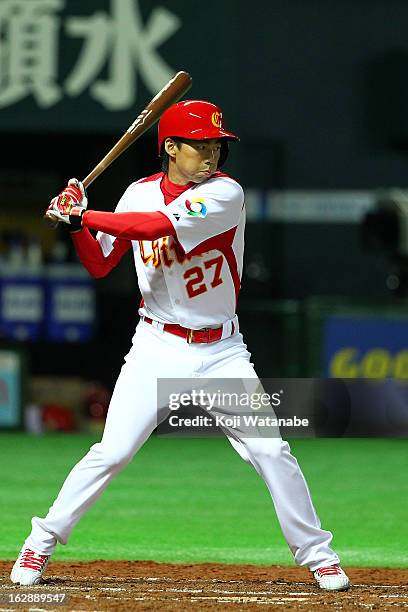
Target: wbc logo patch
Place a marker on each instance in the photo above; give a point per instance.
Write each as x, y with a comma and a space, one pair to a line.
196, 207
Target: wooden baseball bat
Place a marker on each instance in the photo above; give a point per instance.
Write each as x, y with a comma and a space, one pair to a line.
170, 94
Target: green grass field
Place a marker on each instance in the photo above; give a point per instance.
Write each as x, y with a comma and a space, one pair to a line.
192, 500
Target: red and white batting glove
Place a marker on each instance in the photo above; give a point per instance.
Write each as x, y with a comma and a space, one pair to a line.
69, 205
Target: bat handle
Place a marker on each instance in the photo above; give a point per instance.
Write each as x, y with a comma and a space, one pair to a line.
53, 223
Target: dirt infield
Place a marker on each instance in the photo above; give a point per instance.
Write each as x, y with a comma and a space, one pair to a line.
145, 585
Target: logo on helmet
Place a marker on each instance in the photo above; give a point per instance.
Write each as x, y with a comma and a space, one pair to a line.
196, 208
216, 119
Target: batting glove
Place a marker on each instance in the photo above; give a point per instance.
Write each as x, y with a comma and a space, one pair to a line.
69, 206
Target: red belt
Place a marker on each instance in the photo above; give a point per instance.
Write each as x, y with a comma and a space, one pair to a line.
192, 335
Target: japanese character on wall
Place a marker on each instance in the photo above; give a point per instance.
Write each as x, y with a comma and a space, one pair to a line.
32, 34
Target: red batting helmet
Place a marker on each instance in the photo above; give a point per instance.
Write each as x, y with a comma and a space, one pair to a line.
194, 119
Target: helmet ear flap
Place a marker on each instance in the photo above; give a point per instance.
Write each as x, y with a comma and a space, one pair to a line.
224, 152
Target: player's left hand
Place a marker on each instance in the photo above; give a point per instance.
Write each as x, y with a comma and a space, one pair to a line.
69, 205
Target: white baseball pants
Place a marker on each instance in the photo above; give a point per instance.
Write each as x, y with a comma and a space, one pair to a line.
133, 415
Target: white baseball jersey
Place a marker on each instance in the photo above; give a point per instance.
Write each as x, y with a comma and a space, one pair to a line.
194, 279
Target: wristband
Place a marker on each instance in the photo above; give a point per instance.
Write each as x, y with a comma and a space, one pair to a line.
75, 218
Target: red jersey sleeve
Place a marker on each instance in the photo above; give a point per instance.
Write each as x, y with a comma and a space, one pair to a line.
129, 225
92, 256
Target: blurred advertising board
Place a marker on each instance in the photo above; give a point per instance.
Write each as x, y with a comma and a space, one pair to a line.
70, 304
11, 388
371, 347
21, 305
364, 347
55, 303
348, 338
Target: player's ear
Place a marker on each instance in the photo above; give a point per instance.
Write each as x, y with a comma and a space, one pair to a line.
170, 147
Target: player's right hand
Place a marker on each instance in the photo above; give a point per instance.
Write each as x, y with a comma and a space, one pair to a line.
69, 205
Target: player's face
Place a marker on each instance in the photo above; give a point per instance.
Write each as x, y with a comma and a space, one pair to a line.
193, 160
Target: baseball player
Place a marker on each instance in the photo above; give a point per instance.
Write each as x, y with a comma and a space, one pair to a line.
185, 226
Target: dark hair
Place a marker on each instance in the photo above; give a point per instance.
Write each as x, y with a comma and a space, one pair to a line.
165, 156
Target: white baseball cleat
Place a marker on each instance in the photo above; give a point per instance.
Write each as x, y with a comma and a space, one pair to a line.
29, 567
331, 578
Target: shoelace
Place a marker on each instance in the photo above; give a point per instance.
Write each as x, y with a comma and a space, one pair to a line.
331, 570
32, 560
